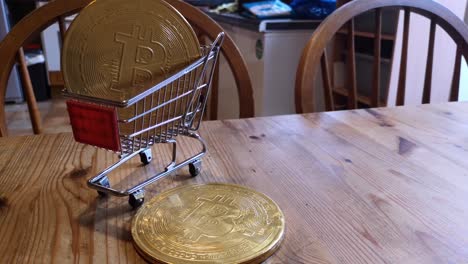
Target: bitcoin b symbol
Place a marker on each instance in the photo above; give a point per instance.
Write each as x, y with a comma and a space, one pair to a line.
142, 56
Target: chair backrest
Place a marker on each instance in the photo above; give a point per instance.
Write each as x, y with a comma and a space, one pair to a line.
56, 11
314, 57
11, 51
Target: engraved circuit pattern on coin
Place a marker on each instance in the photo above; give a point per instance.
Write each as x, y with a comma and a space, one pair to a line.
116, 49
210, 223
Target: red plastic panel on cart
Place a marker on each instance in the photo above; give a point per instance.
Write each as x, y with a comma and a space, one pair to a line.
94, 125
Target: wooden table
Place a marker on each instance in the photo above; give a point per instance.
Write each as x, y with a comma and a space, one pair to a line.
375, 186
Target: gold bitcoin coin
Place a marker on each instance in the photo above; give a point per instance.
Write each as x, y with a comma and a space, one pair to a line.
116, 49
208, 223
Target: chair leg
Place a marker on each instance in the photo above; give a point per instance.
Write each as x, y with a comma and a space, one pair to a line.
3, 128
28, 91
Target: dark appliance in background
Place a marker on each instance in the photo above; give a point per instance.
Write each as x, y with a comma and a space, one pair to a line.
208, 3
33, 50
14, 93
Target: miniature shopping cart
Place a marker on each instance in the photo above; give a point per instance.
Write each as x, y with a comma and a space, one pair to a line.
173, 107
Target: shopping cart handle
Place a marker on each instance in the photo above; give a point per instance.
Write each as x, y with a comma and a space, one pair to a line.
192, 109
218, 41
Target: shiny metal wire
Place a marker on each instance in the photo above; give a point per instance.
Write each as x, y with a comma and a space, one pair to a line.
164, 120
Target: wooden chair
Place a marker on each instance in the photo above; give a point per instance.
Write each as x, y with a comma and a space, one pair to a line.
314, 57
56, 11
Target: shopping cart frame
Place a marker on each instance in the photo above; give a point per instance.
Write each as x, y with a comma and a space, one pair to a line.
185, 124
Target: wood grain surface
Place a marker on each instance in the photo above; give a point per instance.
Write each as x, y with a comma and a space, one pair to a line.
382, 185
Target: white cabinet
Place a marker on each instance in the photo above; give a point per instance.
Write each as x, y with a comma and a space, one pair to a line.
272, 57
51, 43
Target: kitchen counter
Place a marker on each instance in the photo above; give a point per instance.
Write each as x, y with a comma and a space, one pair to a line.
253, 24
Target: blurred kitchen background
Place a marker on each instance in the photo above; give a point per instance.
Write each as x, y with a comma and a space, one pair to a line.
271, 36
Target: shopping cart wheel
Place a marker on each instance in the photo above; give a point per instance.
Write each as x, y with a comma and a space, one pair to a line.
104, 181
146, 156
136, 199
195, 168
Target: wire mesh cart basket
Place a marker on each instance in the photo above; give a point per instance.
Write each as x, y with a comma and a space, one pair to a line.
171, 108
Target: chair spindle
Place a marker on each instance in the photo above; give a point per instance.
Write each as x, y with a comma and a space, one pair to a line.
351, 64
404, 59
456, 75
28, 90
327, 88
62, 28
377, 62
429, 65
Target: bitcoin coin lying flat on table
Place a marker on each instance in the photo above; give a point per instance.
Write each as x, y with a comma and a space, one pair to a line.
116, 49
209, 223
